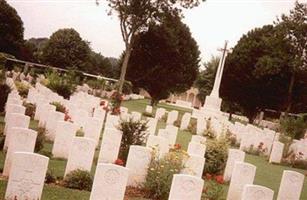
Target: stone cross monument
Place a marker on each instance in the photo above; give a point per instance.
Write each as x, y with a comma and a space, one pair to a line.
212, 106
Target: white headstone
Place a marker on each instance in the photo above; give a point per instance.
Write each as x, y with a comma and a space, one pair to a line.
99, 113
27, 176
198, 139
234, 155
158, 144
201, 125
186, 187
81, 155
110, 146
185, 121
152, 125
196, 149
277, 152
110, 182
172, 117
168, 134
22, 139
257, 192
92, 129
160, 112
44, 114
123, 110
291, 185
136, 116
14, 120
148, 109
51, 124
243, 173
65, 133
14, 108
138, 162
112, 121
194, 165
80, 117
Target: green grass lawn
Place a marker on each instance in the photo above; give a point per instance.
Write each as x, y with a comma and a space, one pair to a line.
268, 175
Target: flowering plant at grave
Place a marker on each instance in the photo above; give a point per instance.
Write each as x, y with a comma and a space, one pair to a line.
218, 178
102, 103
232, 138
67, 118
116, 100
213, 189
177, 146
160, 173
119, 162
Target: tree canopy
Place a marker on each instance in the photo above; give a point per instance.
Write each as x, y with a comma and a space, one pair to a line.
266, 69
164, 59
66, 49
136, 15
11, 29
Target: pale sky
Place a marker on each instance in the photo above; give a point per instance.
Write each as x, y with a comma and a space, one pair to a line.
211, 23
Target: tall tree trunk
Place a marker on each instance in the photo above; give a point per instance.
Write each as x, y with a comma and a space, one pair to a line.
124, 68
289, 96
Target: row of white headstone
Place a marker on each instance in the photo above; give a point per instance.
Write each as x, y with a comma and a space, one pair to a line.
80, 153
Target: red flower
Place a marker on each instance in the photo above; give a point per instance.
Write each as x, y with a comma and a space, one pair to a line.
67, 117
219, 179
119, 162
177, 146
102, 103
208, 176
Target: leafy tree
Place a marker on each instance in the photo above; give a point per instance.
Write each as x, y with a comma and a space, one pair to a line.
267, 67
34, 48
98, 64
205, 79
248, 80
11, 29
164, 59
66, 49
136, 15
293, 28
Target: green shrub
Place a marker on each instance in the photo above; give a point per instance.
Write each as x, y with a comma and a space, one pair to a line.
30, 109
59, 107
133, 134
213, 190
209, 132
192, 128
96, 84
146, 114
5, 90
287, 142
22, 89
216, 155
293, 127
177, 123
40, 140
50, 178
2, 140
62, 85
232, 139
300, 164
80, 133
79, 179
127, 88
160, 174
